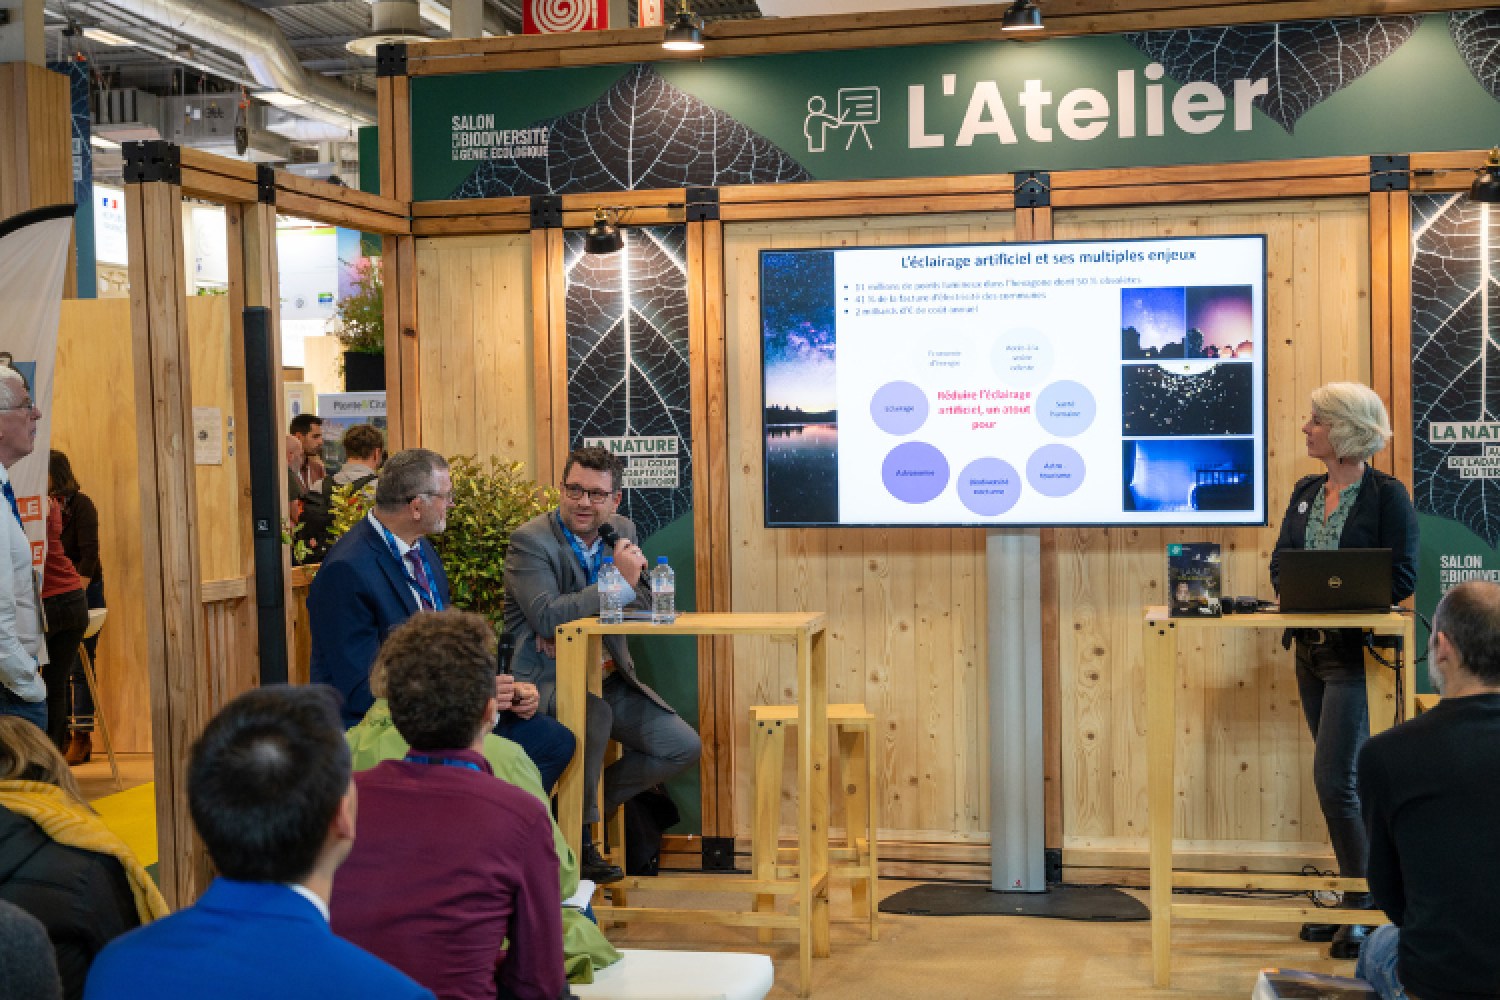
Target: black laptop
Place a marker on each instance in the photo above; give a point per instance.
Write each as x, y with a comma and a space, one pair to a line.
1335, 580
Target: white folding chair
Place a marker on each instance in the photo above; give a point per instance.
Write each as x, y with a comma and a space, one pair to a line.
96, 622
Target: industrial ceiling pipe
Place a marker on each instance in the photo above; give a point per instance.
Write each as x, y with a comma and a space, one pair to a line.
256, 38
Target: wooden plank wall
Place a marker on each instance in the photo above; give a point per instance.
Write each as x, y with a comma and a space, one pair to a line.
1244, 757
906, 606
93, 405
476, 370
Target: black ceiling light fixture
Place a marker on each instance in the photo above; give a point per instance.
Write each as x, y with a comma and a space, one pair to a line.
1023, 15
685, 33
1486, 186
602, 237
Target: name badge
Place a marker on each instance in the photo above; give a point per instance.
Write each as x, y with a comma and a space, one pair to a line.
1302, 507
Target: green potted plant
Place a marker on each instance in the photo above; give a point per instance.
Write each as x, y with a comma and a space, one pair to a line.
359, 325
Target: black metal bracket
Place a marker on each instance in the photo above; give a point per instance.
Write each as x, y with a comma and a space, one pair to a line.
265, 184
1052, 861
1033, 189
390, 60
718, 854
152, 160
546, 211
702, 204
1390, 173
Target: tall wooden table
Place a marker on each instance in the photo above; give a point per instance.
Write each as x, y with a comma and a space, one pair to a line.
1160, 647
579, 649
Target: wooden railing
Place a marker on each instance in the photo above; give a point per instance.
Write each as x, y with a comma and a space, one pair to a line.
231, 642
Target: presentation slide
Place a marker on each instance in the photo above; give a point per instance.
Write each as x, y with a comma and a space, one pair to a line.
1102, 382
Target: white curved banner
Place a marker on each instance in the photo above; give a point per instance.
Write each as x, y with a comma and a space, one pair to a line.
33, 262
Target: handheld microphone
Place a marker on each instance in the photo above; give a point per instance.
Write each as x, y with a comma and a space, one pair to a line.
609, 536
505, 652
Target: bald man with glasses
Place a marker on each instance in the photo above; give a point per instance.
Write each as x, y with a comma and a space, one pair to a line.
551, 574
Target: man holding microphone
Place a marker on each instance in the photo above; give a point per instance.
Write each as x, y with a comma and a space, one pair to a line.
551, 578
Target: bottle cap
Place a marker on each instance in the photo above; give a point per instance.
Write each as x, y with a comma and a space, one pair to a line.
661, 560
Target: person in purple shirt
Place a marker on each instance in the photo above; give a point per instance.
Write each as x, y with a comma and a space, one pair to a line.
454, 879
269, 791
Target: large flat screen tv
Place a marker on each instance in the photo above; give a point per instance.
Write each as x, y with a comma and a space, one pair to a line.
1101, 382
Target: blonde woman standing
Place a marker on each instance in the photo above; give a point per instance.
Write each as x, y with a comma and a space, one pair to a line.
1352, 505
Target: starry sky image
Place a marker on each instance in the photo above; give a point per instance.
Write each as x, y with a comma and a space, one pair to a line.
1160, 403
1222, 313
1159, 315
797, 316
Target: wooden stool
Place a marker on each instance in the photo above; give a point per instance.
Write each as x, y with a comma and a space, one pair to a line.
857, 859
96, 622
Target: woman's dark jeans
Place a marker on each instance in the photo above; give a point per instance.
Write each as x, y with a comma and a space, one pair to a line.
83, 702
1331, 680
67, 620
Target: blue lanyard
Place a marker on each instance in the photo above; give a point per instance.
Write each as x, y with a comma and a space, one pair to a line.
590, 568
428, 592
416, 758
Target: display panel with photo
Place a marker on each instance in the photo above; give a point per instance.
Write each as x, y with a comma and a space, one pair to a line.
1187, 398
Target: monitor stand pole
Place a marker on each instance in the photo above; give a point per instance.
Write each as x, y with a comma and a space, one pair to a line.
1014, 569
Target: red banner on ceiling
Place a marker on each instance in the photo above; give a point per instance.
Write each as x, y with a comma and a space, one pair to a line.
547, 17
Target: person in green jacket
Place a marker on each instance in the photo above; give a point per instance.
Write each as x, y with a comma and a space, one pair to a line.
375, 738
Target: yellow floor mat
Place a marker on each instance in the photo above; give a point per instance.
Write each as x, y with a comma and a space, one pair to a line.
132, 815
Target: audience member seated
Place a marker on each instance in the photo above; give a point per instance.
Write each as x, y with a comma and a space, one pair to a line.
1429, 791
376, 738
454, 879
28, 969
59, 862
270, 794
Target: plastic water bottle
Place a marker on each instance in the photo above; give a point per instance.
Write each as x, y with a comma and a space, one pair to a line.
611, 593
663, 593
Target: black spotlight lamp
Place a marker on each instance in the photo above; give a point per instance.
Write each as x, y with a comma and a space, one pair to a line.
1486, 186
1023, 15
685, 33
602, 237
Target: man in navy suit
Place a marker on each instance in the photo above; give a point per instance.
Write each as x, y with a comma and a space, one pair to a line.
383, 571
271, 796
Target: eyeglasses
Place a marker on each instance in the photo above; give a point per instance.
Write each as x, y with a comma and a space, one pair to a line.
445, 497
576, 493
25, 404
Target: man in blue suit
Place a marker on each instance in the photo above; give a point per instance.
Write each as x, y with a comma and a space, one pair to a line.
271, 796
383, 571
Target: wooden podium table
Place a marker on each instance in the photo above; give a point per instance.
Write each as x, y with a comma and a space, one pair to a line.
1160, 647
579, 649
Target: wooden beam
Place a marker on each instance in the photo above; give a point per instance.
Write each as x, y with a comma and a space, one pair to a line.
217, 187
516, 205
169, 523
861, 207
1401, 411
1275, 914
1211, 191
248, 644
339, 195
385, 110
708, 791
878, 29
407, 346
557, 346
399, 137
1380, 311
197, 159
717, 398
1259, 170
541, 356
471, 225
886, 187
351, 216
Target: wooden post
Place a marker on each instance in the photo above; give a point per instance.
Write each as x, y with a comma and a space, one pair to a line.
262, 288
402, 398
247, 635
36, 145
175, 636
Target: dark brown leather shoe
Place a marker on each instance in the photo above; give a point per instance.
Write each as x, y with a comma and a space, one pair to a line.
80, 749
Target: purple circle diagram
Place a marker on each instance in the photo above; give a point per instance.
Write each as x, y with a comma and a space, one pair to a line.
899, 408
914, 472
1065, 409
1055, 470
989, 487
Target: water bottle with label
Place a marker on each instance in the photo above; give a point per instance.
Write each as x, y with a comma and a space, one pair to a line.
663, 593
612, 591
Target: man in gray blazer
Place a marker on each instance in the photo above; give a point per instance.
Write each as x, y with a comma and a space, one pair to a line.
551, 571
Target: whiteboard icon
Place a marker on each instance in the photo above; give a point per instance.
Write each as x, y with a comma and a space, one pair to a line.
859, 107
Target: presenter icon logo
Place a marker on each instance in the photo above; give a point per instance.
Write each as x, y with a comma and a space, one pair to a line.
858, 108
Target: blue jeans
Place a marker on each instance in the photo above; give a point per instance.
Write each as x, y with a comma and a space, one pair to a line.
34, 712
548, 743
1377, 962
